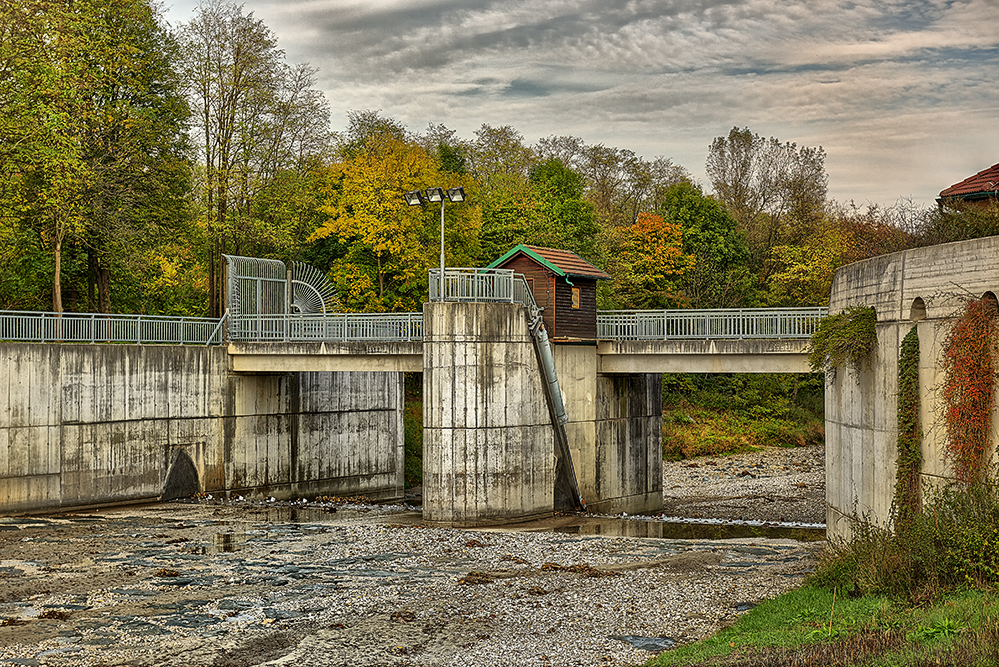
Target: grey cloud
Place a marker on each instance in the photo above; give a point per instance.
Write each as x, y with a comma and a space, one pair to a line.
663, 77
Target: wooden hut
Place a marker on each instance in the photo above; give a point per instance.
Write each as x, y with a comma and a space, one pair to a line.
563, 284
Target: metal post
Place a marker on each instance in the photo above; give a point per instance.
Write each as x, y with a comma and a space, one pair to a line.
440, 293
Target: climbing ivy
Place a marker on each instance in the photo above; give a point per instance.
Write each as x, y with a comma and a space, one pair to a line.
848, 337
969, 366
909, 458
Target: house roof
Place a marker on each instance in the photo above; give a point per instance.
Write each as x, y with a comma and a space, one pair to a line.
982, 184
561, 262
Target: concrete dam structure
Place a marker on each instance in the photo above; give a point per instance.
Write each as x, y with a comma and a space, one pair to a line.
923, 288
519, 420
85, 425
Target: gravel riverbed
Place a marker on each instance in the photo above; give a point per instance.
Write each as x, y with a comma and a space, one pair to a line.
247, 583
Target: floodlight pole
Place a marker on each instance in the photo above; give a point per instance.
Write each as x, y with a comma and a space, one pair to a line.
454, 195
440, 290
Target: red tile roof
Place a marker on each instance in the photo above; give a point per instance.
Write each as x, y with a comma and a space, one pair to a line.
563, 262
984, 181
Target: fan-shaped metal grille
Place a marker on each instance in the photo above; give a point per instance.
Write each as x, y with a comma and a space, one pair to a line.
311, 290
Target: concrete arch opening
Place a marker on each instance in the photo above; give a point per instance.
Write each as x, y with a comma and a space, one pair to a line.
918, 310
991, 296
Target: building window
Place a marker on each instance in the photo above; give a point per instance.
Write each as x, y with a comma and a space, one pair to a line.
575, 297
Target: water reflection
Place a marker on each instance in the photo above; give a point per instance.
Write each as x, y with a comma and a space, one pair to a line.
682, 530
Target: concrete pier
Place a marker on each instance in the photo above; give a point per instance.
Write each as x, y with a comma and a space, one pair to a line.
923, 288
614, 432
488, 449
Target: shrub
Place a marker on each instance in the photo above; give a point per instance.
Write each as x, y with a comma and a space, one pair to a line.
953, 542
969, 387
846, 338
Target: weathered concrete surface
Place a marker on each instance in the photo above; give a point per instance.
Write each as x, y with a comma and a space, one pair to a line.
368, 356
704, 356
487, 438
614, 431
95, 424
923, 288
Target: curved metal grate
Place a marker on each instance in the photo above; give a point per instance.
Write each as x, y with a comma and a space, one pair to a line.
311, 290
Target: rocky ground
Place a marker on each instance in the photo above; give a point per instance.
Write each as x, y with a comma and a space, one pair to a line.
233, 584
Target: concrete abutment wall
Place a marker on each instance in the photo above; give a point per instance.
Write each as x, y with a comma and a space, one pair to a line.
923, 288
87, 425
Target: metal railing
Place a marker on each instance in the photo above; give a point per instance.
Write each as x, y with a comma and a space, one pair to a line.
708, 324
469, 284
32, 326
328, 327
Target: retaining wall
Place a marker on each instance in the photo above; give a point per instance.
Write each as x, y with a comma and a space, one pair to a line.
923, 288
86, 425
614, 432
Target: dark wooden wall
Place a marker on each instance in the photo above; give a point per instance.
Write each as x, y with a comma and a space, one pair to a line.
575, 322
544, 286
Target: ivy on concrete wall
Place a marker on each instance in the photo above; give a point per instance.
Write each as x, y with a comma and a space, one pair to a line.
969, 353
845, 338
909, 458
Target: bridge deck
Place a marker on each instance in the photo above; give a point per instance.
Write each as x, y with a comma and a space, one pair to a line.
624, 357
397, 357
703, 356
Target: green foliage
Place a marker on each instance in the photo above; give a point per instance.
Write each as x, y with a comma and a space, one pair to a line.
909, 458
413, 425
952, 543
92, 127
958, 222
707, 415
969, 364
720, 277
847, 337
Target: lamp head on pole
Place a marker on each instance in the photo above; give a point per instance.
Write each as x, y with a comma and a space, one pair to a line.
435, 195
456, 195
414, 197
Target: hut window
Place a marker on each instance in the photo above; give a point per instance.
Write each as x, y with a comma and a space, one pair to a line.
575, 297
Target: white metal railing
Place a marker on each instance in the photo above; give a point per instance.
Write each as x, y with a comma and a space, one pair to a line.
30, 326
328, 327
707, 324
33, 326
470, 284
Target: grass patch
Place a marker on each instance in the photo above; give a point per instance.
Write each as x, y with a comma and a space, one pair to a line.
923, 594
815, 626
713, 415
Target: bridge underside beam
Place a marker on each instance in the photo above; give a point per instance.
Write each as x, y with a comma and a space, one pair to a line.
301, 357
703, 356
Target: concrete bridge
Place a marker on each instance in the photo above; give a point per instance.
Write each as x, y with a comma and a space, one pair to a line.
285, 409
612, 357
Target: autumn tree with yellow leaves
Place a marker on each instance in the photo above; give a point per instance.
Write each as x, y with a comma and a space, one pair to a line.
387, 246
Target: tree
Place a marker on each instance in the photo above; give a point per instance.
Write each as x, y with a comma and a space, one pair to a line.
500, 150
40, 106
91, 125
652, 264
774, 190
563, 218
133, 141
387, 246
256, 117
720, 276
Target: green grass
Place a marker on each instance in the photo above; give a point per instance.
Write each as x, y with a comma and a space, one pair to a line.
808, 627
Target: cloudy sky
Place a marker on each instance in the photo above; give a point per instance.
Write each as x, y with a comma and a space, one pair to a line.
903, 95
